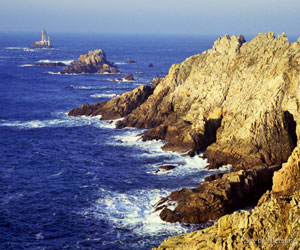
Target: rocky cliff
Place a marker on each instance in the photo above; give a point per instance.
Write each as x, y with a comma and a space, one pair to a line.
93, 62
239, 103
273, 223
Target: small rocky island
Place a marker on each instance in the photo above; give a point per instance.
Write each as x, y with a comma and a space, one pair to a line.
44, 43
93, 62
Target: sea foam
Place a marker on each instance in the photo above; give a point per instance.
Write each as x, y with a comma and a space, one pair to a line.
60, 120
67, 62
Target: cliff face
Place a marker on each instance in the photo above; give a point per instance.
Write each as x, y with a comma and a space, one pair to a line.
93, 62
273, 103
238, 99
238, 102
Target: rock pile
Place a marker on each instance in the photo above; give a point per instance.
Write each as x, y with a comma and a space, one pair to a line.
93, 62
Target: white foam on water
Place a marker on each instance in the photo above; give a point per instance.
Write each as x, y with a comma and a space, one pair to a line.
133, 210
28, 49
60, 120
57, 174
132, 138
184, 165
19, 48
39, 236
67, 62
26, 65
86, 87
54, 73
16, 48
103, 95
119, 63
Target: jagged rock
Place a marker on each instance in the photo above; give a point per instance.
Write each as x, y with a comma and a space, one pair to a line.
215, 198
275, 224
117, 107
128, 77
164, 168
228, 101
93, 62
150, 65
213, 177
129, 61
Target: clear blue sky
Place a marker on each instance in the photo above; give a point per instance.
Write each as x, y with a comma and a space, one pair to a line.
152, 16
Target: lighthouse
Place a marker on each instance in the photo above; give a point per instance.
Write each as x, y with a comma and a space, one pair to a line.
44, 35
44, 43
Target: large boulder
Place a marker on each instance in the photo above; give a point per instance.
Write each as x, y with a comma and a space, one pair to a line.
93, 62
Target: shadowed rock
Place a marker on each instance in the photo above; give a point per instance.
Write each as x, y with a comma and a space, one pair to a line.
213, 199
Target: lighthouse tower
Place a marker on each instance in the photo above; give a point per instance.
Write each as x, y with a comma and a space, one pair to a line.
44, 35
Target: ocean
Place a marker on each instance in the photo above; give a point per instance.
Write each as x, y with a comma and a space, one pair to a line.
79, 183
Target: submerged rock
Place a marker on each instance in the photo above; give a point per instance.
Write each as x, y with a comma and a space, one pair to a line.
51, 64
93, 62
126, 78
129, 61
164, 168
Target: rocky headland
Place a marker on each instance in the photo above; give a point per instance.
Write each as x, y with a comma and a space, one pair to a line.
93, 62
239, 104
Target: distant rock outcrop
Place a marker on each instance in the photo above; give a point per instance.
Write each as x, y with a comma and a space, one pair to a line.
44, 43
129, 61
93, 62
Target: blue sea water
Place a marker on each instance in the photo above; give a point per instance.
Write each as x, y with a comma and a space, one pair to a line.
78, 183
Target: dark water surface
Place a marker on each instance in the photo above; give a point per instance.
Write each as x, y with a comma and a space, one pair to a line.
78, 183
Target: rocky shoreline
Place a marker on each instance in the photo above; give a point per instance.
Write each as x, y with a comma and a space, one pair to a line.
239, 103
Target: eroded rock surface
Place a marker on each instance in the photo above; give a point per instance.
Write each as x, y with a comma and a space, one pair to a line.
274, 224
215, 198
230, 101
117, 107
93, 62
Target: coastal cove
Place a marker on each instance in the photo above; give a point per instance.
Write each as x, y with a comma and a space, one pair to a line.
78, 183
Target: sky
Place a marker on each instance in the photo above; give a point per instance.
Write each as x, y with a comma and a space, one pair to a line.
209, 17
